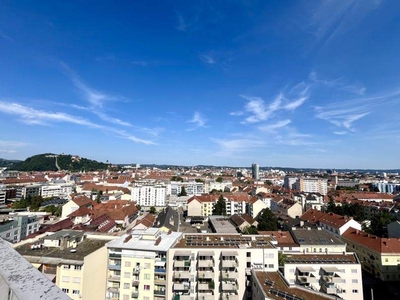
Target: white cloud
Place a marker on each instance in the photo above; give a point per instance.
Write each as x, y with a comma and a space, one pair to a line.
109, 119
341, 117
340, 132
207, 59
32, 116
273, 127
236, 113
198, 120
237, 145
355, 89
259, 110
295, 104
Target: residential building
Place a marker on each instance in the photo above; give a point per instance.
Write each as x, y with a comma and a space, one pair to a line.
19, 281
137, 265
286, 207
338, 275
56, 190
212, 184
28, 223
72, 260
333, 223
74, 204
272, 285
192, 188
10, 230
312, 185
393, 229
215, 266
317, 241
28, 191
149, 195
289, 182
283, 241
379, 256
255, 206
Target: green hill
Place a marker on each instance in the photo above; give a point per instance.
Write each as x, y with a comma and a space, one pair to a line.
8, 163
47, 162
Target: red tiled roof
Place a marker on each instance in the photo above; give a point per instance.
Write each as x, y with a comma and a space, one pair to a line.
80, 212
381, 245
103, 223
82, 201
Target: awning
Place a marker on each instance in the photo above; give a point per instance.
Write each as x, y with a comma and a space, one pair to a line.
206, 253
182, 253
330, 269
305, 269
160, 263
229, 253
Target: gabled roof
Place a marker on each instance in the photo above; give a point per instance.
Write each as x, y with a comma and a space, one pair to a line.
103, 223
166, 217
82, 201
80, 212
381, 245
331, 219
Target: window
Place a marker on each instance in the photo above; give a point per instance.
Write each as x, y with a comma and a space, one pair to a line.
355, 291
248, 254
78, 267
147, 266
146, 298
128, 264
65, 279
8, 234
76, 280
354, 271
65, 290
291, 270
271, 266
386, 259
126, 285
127, 274
147, 276
15, 232
354, 281
75, 292
342, 271
126, 297
66, 267
146, 287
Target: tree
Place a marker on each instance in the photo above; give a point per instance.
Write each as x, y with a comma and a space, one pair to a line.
220, 207
219, 179
98, 197
281, 259
268, 182
176, 178
152, 210
183, 192
379, 224
250, 230
267, 221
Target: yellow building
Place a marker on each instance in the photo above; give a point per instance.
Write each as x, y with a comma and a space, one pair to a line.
72, 260
379, 256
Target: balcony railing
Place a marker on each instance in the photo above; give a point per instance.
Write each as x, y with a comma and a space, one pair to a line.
159, 293
114, 267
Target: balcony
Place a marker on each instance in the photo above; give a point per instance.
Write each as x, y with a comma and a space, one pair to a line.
203, 286
205, 296
205, 275
113, 290
135, 294
331, 279
229, 287
229, 276
181, 263
114, 278
136, 271
160, 271
329, 288
307, 279
205, 263
115, 267
160, 281
115, 255
181, 297
181, 275
226, 296
135, 282
229, 264
159, 293
181, 286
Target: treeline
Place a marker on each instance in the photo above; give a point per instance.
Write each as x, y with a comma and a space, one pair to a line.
42, 162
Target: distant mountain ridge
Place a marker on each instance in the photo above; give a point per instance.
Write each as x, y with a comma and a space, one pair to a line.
54, 162
8, 162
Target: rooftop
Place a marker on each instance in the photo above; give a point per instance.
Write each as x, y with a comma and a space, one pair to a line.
276, 288
308, 236
23, 279
53, 254
349, 258
224, 241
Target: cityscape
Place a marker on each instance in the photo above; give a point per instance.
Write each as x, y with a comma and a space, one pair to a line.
199, 150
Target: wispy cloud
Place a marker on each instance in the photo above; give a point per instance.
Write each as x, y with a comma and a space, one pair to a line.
198, 120
182, 25
229, 146
32, 116
236, 113
295, 104
332, 18
273, 127
112, 120
338, 83
207, 59
340, 132
8, 147
6, 37
341, 117
94, 97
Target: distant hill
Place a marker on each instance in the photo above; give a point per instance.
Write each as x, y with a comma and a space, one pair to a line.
47, 162
8, 163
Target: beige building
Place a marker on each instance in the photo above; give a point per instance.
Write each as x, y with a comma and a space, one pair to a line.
73, 262
214, 266
137, 267
334, 274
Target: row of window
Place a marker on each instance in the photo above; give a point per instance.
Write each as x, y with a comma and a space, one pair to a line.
76, 267
74, 292
74, 279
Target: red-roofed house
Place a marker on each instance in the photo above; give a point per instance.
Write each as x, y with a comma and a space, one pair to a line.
74, 204
378, 256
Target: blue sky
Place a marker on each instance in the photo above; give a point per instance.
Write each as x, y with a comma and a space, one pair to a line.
278, 83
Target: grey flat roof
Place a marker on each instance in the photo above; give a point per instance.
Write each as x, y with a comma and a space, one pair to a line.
26, 282
315, 237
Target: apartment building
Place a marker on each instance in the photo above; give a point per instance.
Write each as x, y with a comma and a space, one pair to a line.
192, 188
28, 223
76, 262
338, 275
56, 190
137, 265
289, 182
10, 230
317, 241
286, 207
28, 191
149, 195
312, 185
215, 266
211, 184
333, 223
19, 281
379, 256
